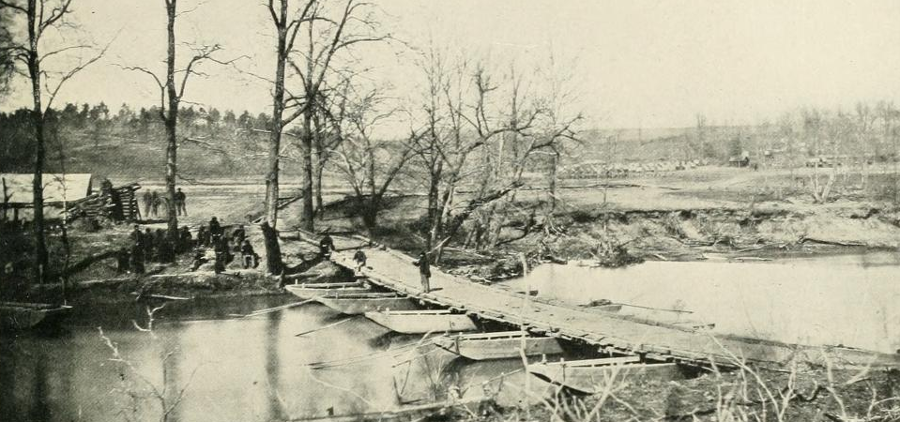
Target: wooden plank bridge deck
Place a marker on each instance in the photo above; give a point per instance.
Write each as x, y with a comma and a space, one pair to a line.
396, 271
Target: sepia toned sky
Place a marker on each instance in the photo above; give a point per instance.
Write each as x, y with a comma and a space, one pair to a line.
638, 62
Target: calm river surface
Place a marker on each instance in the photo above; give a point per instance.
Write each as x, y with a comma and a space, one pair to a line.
251, 369
852, 300
256, 369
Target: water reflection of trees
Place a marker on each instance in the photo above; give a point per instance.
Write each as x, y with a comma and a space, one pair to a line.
273, 366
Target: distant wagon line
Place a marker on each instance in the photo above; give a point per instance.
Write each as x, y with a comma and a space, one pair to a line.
602, 169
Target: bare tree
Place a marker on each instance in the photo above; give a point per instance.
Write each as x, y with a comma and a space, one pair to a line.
171, 93
478, 134
443, 149
330, 32
369, 165
39, 16
533, 126
287, 23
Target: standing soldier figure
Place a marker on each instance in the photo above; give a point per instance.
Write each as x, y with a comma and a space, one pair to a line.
155, 202
424, 271
136, 235
147, 200
185, 240
238, 236
148, 245
179, 202
159, 245
202, 236
326, 245
215, 229
249, 258
360, 258
220, 247
137, 251
122, 261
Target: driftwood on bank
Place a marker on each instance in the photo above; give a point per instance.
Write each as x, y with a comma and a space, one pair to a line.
806, 239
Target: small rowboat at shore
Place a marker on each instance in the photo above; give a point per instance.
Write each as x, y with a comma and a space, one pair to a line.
26, 315
406, 413
422, 322
501, 345
360, 303
593, 376
309, 291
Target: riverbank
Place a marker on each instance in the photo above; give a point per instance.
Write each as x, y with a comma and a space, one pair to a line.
613, 236
799, 394
681, 216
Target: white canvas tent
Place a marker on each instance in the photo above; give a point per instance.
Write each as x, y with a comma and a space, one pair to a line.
58, 189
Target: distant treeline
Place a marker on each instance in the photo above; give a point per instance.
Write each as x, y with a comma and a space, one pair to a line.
92, 139
868, 132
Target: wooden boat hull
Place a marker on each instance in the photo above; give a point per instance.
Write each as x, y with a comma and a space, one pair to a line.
351, 305
23, 316
596, 379
422, 322
304, 291
505, 345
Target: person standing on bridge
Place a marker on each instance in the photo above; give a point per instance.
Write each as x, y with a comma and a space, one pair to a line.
424, 271
360, 258
326, 245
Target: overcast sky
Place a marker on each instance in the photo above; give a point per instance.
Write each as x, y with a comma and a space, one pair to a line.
648, 63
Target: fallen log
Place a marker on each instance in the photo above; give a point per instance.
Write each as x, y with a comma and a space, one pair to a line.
830, 242
156, 296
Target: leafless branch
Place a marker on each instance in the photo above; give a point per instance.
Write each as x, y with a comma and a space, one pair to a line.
72, 73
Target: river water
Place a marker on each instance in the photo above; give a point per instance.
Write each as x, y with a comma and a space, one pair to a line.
256, 369
230, 369
852, 300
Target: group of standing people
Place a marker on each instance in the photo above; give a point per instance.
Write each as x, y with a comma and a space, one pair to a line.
152, 200
148, 246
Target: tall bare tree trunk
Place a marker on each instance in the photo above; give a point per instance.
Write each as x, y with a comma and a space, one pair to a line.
171, 120
277, 122
37, 117
321, 159
306, 216
554, 178
320, 203
434, 211
370, 212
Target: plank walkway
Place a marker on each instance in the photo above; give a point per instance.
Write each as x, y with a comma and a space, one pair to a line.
396, 271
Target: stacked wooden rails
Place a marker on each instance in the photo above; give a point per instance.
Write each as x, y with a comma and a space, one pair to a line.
119, 204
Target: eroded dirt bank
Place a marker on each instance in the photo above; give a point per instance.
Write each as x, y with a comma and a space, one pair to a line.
614, 237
